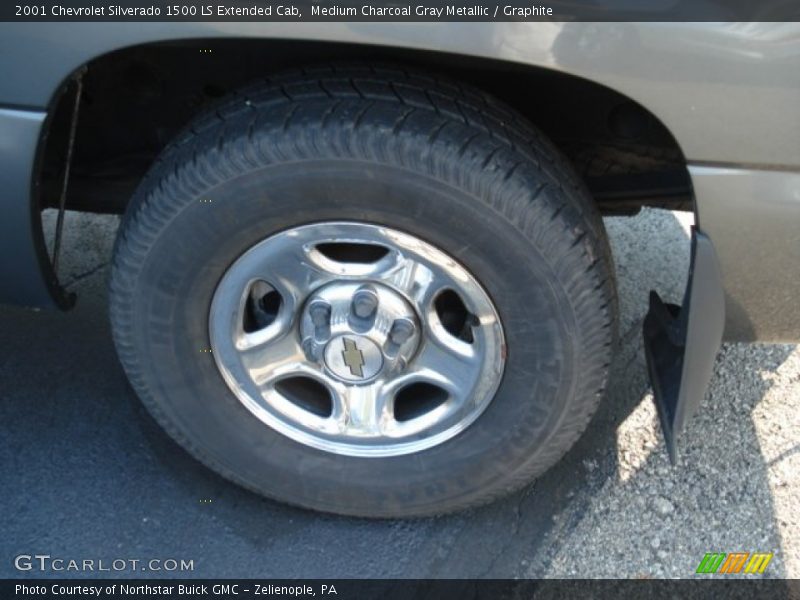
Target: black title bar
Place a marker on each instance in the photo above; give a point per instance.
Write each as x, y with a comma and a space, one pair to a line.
743, 588
399, 11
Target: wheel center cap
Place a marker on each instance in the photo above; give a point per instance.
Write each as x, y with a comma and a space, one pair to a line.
353, 357
359, 331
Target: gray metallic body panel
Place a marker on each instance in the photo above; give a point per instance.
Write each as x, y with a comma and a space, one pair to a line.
753, 217
728, 92
27, 277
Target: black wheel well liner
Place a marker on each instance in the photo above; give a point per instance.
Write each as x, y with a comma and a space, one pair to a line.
136, 99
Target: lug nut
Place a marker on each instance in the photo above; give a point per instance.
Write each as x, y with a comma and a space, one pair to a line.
320, 313
365, 302
402, 329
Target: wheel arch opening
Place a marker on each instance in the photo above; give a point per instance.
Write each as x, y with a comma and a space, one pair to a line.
136, 99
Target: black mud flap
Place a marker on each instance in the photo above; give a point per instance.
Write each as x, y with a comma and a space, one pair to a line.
681, 342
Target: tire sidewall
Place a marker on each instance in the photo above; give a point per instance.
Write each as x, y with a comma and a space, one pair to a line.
184, 266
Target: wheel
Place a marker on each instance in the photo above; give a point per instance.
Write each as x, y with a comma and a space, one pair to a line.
365, 292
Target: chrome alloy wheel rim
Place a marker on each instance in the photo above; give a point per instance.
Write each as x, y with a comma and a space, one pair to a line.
356, 339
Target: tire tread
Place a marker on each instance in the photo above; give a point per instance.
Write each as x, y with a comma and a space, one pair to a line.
330, 109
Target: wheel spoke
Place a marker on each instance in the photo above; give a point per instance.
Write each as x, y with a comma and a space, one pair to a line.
414, 278
269, 361
451, 366
361, 411
291, 272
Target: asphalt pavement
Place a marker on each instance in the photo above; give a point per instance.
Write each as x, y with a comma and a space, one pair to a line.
86, 474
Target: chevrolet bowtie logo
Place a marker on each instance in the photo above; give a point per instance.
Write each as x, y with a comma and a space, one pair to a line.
353, 358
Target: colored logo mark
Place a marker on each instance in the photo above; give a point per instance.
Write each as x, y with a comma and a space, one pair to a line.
735, 562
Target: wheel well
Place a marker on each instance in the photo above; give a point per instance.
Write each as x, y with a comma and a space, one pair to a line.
136, 99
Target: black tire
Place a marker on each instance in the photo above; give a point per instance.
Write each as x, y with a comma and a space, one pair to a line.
441, 161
